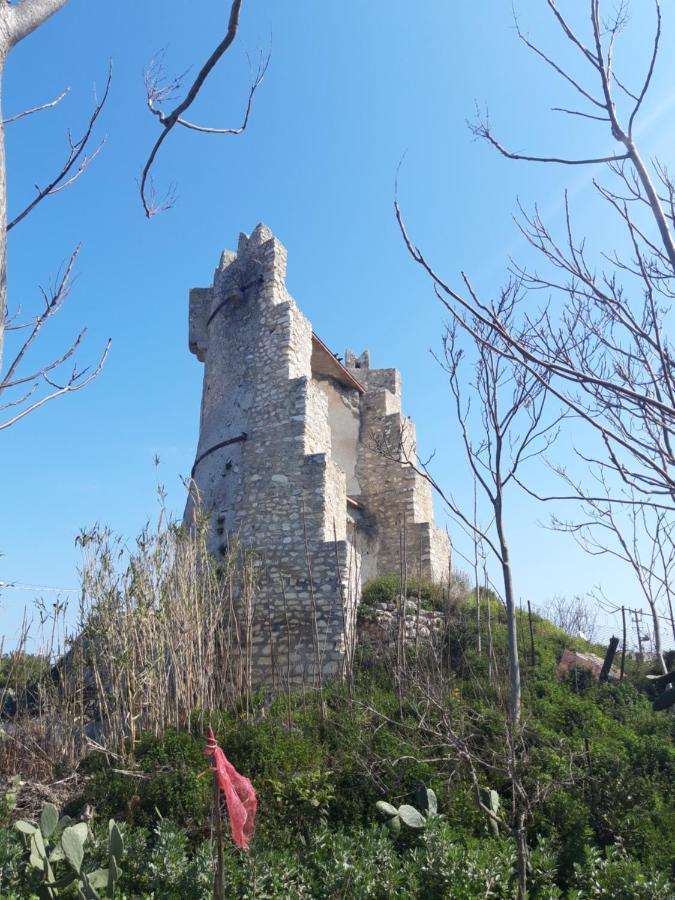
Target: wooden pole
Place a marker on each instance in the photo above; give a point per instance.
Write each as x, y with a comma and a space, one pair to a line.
609, 658
623, 645
529, 619
219, 875
639, 636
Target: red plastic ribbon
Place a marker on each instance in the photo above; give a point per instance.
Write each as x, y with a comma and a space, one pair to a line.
240, 797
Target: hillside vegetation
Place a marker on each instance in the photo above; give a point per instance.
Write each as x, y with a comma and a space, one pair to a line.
595, 761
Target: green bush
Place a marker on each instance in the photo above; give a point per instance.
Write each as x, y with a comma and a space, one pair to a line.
615, 876
11, 863
387, 589
171, 779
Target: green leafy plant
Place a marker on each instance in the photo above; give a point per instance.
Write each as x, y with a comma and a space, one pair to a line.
8, 801
387, 589
57, 840
303, 798
614, 876
407, 815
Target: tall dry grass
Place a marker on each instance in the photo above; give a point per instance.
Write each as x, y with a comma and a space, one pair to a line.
161, 632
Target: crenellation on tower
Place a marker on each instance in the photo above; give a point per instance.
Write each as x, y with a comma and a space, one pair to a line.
287, 460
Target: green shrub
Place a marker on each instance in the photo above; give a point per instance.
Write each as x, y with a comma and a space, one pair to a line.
565, 820
456, 869
12, 863
302, 800
171, 780
615, 876
387, 589
383, 589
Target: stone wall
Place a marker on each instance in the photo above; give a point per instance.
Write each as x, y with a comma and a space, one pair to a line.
398, 497
286, 462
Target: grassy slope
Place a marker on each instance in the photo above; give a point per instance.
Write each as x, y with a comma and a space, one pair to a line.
602, 759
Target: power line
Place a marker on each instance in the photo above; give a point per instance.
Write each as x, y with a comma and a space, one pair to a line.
18, 586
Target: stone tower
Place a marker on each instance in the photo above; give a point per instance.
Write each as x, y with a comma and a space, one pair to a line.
286, 461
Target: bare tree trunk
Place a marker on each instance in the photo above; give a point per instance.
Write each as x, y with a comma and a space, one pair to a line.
24, 17
522, 853
3, 219
475, 564
658, 646
514, 662
489, 625
672, 619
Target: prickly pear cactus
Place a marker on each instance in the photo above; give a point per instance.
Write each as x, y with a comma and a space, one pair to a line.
426, 800
490, 799
406, 815
58, 840
44, 844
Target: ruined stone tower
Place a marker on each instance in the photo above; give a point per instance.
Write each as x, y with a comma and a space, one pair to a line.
286, 461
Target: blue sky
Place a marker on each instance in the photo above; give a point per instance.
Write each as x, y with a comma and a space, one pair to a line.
351, 87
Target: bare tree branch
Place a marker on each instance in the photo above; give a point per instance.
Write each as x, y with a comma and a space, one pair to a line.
69, 172
260, 74
601, 344
650, 70
481, 129
78, 379
158, 92
638, 534
36, 109
13, 378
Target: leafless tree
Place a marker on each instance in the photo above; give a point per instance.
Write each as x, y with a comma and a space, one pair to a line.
26, 385
576, 616
635, 533
601, 340
509, 428
511, 425
23, 390
456, 739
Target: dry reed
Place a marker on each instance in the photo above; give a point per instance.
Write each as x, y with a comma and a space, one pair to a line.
158, 640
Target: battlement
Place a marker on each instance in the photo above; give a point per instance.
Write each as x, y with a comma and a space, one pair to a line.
259, 266
288, 460
259, 258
